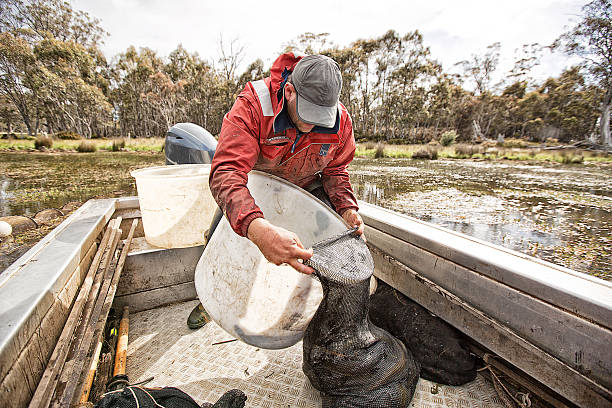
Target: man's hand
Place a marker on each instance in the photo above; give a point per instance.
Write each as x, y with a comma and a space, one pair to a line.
354, 220
279, 245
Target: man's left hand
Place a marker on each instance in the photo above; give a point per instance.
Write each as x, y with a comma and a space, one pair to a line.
353, 219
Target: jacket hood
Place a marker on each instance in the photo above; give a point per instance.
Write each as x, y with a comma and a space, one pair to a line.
281, 68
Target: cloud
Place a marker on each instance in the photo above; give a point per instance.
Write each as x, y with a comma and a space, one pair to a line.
453, 30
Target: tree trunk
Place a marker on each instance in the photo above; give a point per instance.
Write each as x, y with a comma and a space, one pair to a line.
604, 123
594, 136
477, 132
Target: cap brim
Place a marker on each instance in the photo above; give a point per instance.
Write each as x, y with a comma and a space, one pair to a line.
314, 114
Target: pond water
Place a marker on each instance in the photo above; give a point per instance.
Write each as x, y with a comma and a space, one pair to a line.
559, 213
30, 182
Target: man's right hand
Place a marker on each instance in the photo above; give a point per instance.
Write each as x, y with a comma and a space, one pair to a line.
279, 245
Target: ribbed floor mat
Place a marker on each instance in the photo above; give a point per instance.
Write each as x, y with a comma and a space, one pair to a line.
161, 345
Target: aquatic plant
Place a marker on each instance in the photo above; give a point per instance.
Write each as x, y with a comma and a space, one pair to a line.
380, 151
87, 146
515, 143
463, 151
571, 158
428, 153
43, 141
118, 144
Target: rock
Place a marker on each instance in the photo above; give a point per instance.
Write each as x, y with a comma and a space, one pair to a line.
20, 223
47, 215
71, 206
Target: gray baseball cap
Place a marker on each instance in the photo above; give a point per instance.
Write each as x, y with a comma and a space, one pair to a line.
318, 82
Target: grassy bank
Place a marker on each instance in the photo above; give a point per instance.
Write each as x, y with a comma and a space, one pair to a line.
507, 151
482, 152
153, 144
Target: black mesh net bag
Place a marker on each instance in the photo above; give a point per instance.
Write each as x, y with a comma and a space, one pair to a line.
349, 360
168, 397
439, 348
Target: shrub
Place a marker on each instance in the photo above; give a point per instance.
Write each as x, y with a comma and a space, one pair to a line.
67, 135
448, 138
43, 141
428, 153
370, 146
380, 151
87, 146
571, 158
466, 150
118, 144
515, 143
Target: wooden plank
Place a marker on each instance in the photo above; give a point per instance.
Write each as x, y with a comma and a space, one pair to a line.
540, 365
29, 287
127, 202
128, 214
158, 268
49, 378
573, 291
102, 376
83, 334
18, 385
574, 340
100, 320
154, 298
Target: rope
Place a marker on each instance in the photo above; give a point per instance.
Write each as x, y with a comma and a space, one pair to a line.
522, 399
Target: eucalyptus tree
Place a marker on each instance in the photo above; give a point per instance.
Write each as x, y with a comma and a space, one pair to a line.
230, 57
8, 115
479, 71
50, 65
364, 98
132, 80
70, 96
38, 19
411, 83
570, 104
591, 39
480, 68
18, 78
309, 43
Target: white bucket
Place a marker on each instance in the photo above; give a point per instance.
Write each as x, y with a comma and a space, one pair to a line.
262, 304
176, 204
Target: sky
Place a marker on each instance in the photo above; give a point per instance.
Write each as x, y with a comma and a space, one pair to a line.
453, 30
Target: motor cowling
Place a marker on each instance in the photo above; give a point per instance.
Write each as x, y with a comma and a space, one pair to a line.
188, 143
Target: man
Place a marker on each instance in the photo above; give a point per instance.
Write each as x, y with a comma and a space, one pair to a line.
292, 125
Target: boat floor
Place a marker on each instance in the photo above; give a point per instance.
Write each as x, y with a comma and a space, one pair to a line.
161, 346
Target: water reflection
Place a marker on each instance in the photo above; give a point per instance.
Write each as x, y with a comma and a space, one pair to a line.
31, 182
562, 214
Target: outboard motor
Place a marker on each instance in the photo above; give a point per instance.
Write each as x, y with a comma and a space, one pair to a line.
188, 143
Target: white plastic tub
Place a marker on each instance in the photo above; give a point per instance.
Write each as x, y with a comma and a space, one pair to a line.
262, 304
176, 204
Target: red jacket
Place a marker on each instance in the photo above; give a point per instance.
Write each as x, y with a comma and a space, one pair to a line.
257, 134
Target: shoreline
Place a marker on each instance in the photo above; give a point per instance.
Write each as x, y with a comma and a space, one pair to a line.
475, 152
